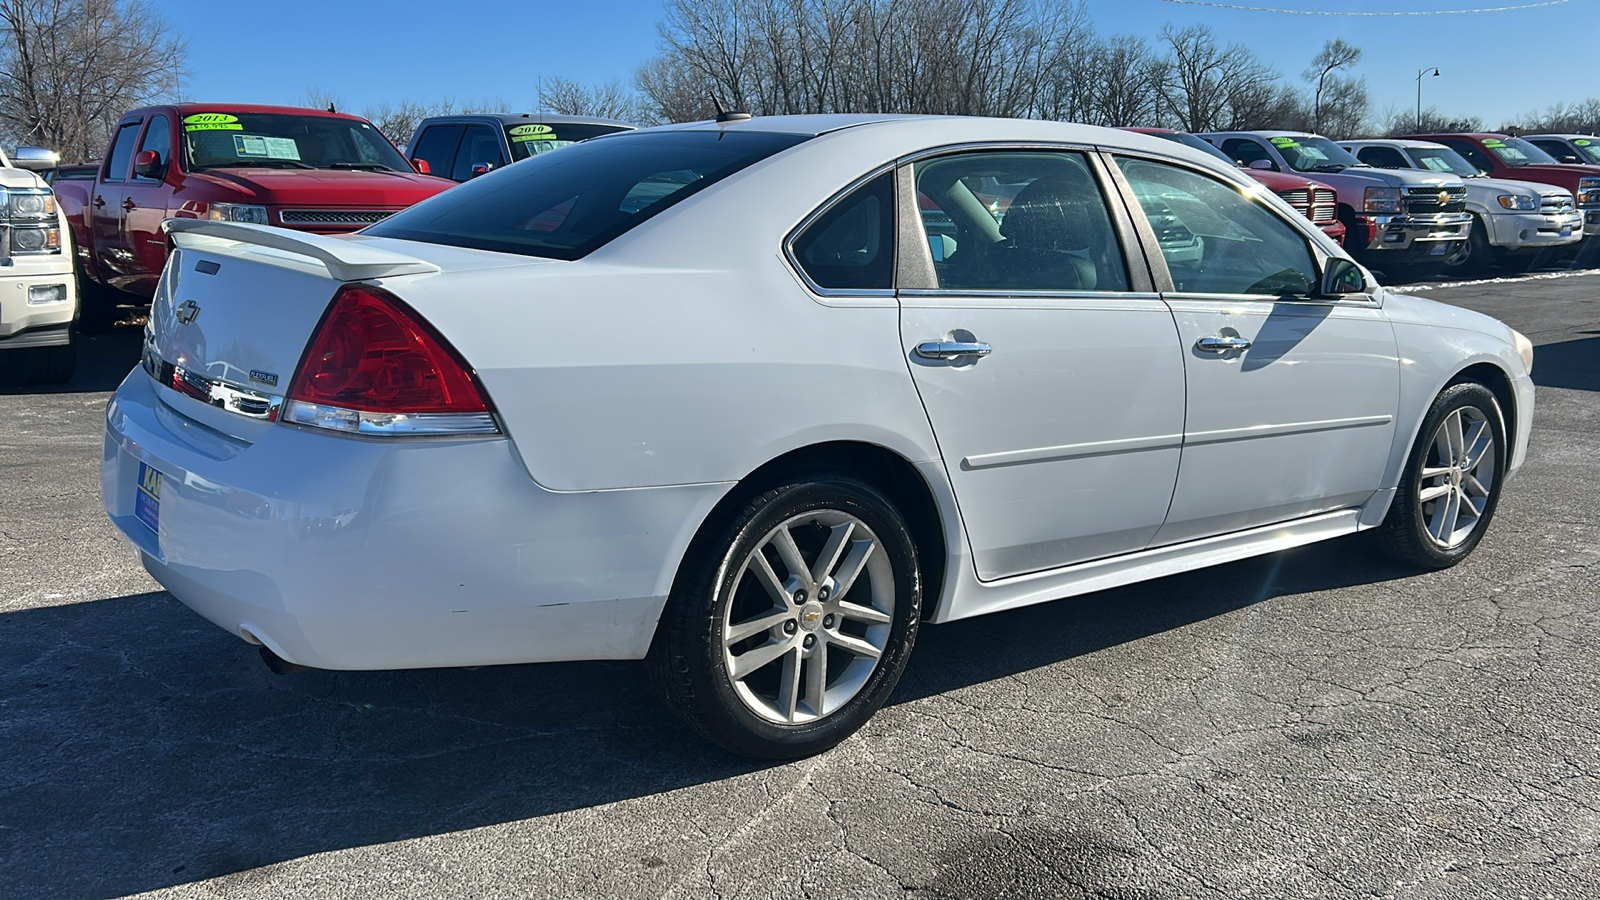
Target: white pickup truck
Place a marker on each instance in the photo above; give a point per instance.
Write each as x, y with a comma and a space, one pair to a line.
1513, 221
1393, 219
38, 292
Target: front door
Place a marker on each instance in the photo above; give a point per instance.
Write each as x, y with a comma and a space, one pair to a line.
145, 200
1291, 398
1055, 388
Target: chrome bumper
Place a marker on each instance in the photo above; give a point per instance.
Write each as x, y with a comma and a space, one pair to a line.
1399, 232
1522, 231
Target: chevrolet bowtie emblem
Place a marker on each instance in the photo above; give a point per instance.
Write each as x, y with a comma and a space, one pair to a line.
187, 312
1444, 198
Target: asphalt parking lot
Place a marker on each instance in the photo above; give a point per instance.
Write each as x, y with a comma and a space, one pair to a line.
1317, 724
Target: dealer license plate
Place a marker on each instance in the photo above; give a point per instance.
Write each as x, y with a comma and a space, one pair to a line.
1438, 249
1566, 231
147, 498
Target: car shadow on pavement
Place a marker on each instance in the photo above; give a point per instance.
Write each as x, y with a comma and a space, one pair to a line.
144, 748
103, 361
1574, 365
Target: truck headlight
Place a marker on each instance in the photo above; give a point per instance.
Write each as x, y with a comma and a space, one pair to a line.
1589, 191
31, 205
1383, 200
237, 212
1518, 201
35, 240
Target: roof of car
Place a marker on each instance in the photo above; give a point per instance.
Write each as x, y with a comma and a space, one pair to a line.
1408, 143
1567, 136
534, 117
1270, 134
187, 109
1477, 135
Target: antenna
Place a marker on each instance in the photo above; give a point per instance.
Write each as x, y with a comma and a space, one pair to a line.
726, 115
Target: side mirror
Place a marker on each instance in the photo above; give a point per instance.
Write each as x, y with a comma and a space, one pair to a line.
149, 164
422, 167
1343, 277
36, 159
481, 168
1263, 165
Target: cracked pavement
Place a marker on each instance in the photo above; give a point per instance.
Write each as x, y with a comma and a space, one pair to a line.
1320, 723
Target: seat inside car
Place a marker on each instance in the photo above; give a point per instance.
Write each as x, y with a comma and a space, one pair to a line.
1052, 238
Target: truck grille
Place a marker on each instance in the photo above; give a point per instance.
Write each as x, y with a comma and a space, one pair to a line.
1324, 205
1426, 200
1297, 198
336, 218
1556, 203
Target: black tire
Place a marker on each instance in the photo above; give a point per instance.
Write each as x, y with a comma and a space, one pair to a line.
1474, 254
99, 307
46, 365
714, 590
1405, 533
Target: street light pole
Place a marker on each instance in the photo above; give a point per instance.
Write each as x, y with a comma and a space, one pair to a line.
1421, 72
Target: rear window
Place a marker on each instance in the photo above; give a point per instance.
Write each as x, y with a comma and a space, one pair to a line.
566, 205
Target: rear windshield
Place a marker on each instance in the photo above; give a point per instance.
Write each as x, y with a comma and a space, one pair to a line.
566, 205
533, 138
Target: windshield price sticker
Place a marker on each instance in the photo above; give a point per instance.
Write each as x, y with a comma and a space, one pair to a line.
265, 147
1582, 142
1493, 142
212, 122
523, 133
1285, 142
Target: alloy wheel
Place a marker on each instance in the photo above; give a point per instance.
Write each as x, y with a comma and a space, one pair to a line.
1457, 478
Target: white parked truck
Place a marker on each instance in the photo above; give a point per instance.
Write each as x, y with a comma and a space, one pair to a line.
38, 292
1393, 219
1513, 221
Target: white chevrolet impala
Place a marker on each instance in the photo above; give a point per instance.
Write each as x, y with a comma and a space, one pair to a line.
754, 399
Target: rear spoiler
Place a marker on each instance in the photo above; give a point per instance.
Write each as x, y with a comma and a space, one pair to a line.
345, 260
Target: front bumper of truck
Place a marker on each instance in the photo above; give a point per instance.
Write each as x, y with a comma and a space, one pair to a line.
1400, 232
38, 301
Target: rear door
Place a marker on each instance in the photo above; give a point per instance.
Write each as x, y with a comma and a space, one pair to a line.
1049, 369
1291, 398
145, 202
106, 212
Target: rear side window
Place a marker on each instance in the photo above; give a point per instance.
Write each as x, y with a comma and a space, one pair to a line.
437, 147
121, 153
850, 245
569, 204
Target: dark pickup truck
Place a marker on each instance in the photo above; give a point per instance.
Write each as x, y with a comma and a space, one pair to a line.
305, 169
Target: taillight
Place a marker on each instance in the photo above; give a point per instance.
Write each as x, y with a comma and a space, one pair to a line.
374, 367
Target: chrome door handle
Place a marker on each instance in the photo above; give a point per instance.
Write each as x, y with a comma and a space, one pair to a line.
952, 349
1221, 344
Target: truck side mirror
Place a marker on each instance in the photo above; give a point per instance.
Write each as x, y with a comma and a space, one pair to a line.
1342, 277
36, 159
1263, 165
481, 168
422, 167
149, 164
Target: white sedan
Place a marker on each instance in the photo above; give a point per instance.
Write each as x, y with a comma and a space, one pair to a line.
754, 399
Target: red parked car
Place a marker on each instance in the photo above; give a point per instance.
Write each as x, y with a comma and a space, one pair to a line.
306, 169
1504, 156
1315, 200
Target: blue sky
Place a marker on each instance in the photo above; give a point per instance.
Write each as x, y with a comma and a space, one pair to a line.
1495, 65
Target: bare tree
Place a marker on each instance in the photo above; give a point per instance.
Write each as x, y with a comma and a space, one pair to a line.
69, 68
569, 98
1400, 122
399, 119
317, 98
1564, 118
1339, 104
1215, 87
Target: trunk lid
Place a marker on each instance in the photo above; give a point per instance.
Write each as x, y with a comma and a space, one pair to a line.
237, 305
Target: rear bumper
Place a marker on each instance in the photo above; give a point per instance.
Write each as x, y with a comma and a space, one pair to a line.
1390, 233
25, 318
1527, 231
343, 553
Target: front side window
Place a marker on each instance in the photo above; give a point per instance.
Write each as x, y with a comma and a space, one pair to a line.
436, 146
1382, 157
1217, 240
851, 245
1023, 221
121, 153
157, 137
480, 145
566, 205
1246, 151
218, 140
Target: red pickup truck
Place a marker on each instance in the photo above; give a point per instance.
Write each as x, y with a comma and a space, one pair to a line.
306, 169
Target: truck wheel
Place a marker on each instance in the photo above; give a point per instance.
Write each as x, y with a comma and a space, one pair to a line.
45, 365
1473, 254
